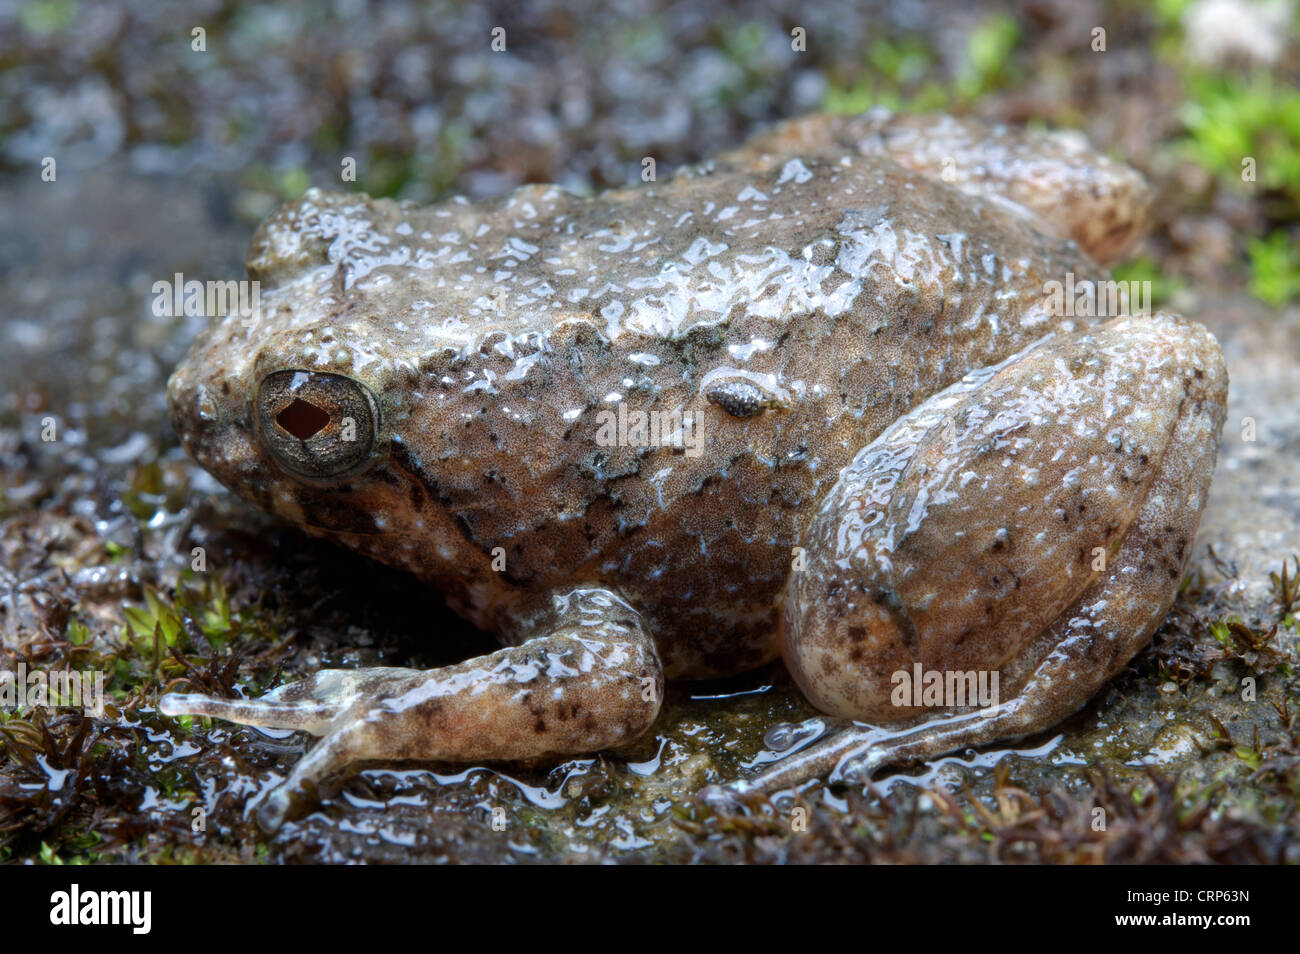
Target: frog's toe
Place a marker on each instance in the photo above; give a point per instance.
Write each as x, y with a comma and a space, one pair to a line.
258, 712
274, 810
353, 741
309, 705
849, 754
726, 798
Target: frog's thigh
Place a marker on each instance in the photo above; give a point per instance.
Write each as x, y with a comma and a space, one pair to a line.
1081, 193
590, 679
1034, 520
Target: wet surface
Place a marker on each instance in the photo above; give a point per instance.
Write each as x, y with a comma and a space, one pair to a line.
165, 169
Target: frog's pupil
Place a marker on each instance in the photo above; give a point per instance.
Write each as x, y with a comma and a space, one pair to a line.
302, 420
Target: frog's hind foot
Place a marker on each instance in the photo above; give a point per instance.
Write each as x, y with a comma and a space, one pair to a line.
589, 679
989, 562
851, 753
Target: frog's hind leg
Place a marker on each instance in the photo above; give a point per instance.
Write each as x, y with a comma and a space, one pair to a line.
588, 680
1073, 189
1070, 187
1033, 522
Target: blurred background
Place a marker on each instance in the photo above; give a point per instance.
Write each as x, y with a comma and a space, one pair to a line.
176, 127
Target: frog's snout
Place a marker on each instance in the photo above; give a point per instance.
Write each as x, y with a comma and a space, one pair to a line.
212, 426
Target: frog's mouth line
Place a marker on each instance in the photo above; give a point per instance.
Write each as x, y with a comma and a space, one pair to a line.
425, 495
399, 479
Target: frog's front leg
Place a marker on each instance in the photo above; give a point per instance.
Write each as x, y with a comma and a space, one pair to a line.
1031, 523
588, 680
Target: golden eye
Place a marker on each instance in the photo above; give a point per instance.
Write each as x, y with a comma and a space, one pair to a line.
317, 425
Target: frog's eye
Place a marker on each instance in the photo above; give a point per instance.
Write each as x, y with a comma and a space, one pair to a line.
317, 425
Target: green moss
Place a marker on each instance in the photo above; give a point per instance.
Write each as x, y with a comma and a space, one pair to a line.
1146, 269
155, 620
46, 17
1274, 268
894, 76
898, 72
643, 40
1169, 13
1246, 130
293, 182
989, 65
158, 638
904, 63
744, 42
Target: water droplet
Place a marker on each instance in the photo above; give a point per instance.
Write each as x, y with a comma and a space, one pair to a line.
788, 735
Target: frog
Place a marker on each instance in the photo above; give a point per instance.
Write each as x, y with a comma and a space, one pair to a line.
818, 399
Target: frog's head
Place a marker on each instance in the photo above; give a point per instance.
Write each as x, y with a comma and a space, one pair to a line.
306, 433
385, 394
299, 404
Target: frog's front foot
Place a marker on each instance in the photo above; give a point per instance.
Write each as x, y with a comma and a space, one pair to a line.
589, 680
984, 566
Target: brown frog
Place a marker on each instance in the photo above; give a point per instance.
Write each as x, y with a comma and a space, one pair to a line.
820, 397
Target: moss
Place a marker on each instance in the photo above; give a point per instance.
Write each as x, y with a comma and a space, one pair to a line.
989, 63
896, 74
899, 72
1274, 268
1285, 584
1146, 269
1246, 130
47, 17
1156, 818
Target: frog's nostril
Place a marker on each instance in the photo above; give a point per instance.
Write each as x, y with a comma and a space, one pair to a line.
302, 420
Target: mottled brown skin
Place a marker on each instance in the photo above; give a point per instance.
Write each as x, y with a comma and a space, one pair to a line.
1141, 506
794, 298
